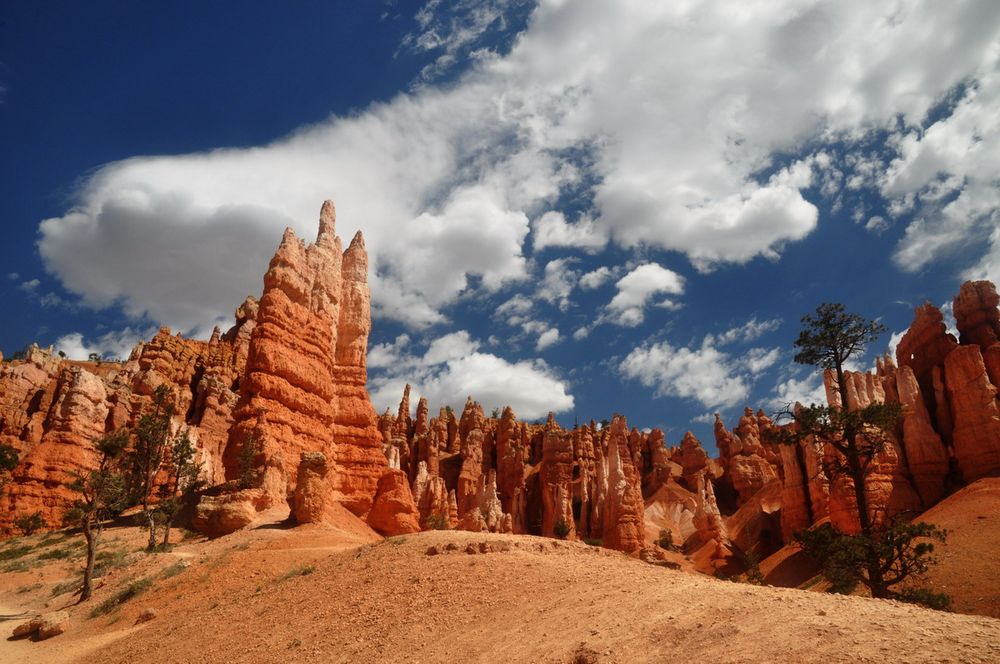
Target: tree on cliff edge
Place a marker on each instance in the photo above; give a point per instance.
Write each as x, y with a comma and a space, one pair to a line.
882, 554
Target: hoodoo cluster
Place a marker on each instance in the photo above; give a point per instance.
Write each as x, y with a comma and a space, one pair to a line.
281, 398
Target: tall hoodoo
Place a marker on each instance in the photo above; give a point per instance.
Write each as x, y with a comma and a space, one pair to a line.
303, 389
357, 442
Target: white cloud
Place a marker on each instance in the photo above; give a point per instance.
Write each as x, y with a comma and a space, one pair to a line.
458, 31
13, 276
596, 278
952, 169
552, 230
749, 331
547, 338
877, 225
454, 368
450, 347
706, 374
29, 286
677, 107
113, 345
558, 282
637, 288
792, 390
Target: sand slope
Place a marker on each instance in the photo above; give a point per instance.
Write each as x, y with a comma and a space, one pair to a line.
327, 596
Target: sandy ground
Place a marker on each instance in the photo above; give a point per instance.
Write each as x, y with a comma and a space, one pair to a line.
968, 566
344, 595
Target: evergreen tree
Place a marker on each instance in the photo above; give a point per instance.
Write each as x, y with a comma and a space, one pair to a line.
881, 555
102, 493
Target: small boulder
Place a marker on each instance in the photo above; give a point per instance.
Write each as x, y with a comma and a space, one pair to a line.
147, 614
44, 626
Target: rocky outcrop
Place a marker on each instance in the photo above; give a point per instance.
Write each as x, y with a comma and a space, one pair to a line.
303, 388
394, 511
357, 451
623, 507
973, 400
976, 315
313, 490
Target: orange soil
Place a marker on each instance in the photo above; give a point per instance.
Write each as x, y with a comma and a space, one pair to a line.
968, 566
343, 595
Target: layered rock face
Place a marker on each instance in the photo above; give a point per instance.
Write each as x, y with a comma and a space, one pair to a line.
51, 409
303, 388
289, 377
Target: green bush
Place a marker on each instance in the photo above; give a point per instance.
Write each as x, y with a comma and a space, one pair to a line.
561, 529
29, 524
436, 522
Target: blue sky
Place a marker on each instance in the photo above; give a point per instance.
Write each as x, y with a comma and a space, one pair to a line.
581, 206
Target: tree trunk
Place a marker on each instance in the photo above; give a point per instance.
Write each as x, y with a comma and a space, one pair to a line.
166, 535
873, 564
88, 571
151, 544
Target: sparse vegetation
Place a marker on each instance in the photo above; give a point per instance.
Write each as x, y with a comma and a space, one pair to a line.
301, 570
246, 461
752, 574
8, 462
102, 492
132, 590
436, 522
30, 523
145, 459
174, 569
561, 529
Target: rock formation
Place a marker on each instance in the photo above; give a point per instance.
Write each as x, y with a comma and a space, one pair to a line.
289, 379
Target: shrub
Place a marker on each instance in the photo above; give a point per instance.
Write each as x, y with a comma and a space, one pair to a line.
30, 524
436, 522
301, 570
561, 529
130, 591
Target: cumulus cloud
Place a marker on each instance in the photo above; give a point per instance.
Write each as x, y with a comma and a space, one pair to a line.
558, 282
453, 368
678, 106
706, 374
596, 278
112, 345
951, 170
552, 230
637, 288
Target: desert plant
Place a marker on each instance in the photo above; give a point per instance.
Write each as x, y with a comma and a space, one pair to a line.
101, 491
132, 590
182, 481
246, 461
152, 442
561, 528
752, 574
8, 462
29, 524
436, 522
